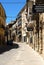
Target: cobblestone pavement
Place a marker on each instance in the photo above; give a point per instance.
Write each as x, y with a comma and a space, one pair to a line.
24, 55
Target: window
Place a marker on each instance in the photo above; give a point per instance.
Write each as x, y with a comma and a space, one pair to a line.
19, 23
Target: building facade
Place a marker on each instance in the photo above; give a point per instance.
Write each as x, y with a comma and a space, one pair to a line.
21, 19
9, 31
31, 22
14, 31
38, 28
2, 24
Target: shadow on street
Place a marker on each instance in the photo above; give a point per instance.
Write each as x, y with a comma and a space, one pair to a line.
10, 45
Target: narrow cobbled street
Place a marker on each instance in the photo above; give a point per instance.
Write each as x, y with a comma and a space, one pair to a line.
23, 55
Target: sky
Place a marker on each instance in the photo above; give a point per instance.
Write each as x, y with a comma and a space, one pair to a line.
12, 8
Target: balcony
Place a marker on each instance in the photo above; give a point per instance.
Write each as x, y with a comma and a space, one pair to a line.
19, 24
19, 27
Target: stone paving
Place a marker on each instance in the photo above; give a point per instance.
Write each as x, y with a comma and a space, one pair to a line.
24, 55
